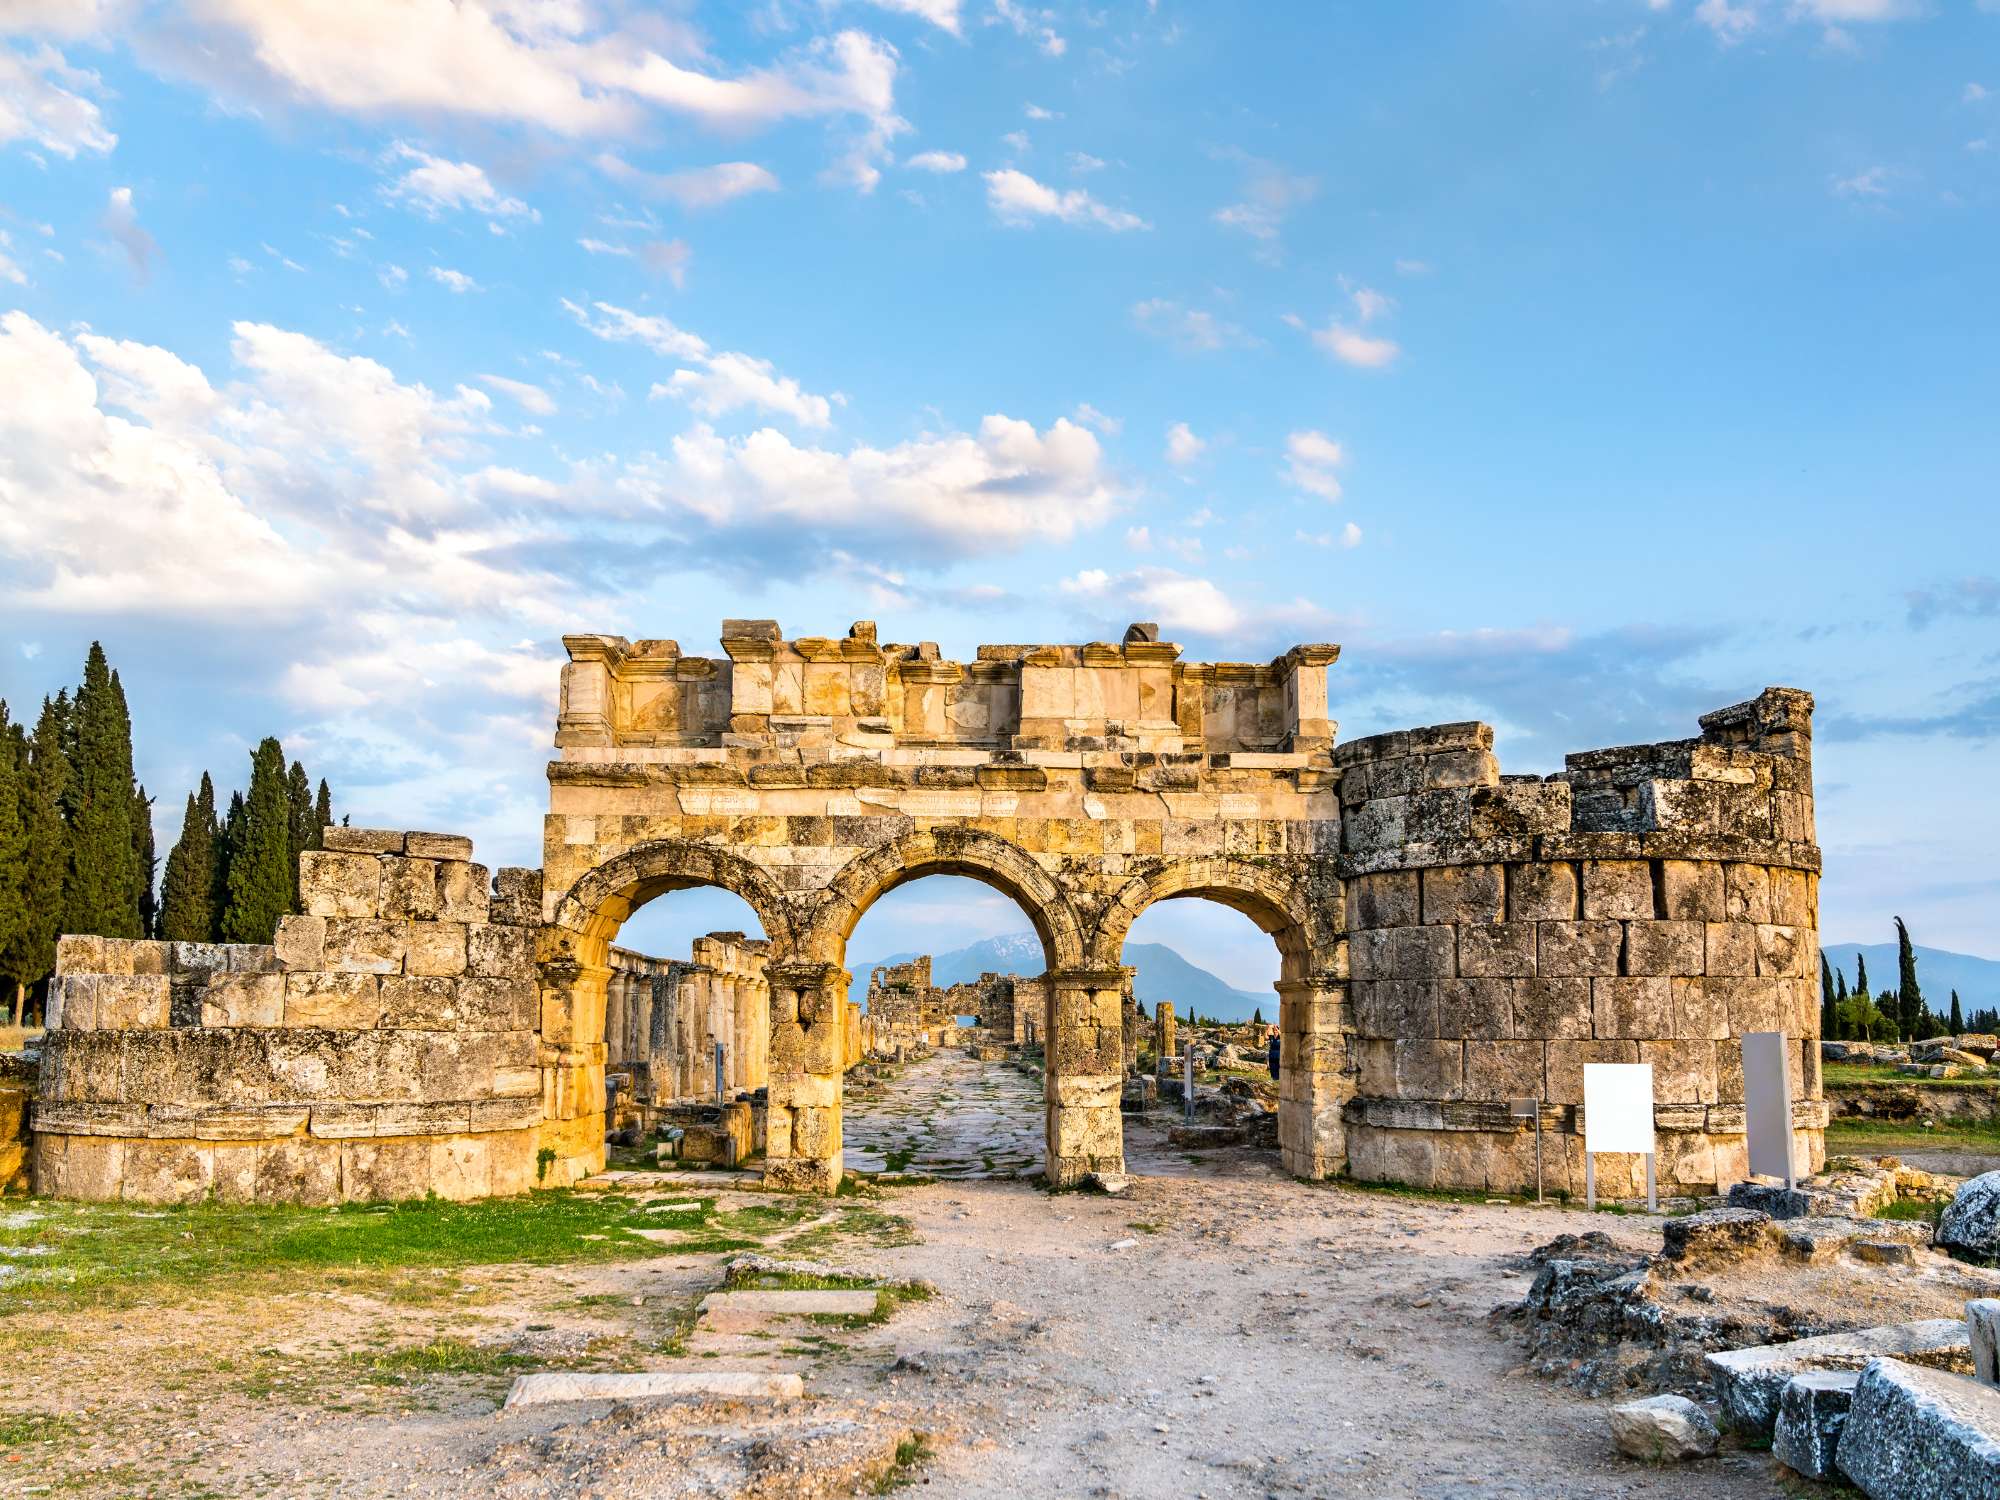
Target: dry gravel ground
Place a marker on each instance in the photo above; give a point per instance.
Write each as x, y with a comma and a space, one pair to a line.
1256, 1337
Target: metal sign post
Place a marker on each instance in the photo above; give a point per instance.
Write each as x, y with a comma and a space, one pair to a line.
720, 1075
1525, 1109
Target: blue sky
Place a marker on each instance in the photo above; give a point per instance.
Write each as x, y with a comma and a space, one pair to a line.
1579, 367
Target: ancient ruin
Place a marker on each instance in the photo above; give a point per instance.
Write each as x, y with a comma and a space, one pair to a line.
1451, 939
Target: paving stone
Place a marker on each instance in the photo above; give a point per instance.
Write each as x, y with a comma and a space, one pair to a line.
742, 1312
542, 1390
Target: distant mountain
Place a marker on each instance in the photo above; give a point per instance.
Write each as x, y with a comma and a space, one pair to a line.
1163, 975
1939, 972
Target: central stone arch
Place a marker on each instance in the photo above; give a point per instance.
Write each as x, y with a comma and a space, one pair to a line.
810, 776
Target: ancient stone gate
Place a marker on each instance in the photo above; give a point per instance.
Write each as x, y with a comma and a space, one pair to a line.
811, 776
1452, 940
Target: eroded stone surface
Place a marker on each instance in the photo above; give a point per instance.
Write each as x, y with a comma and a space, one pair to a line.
1921, 1434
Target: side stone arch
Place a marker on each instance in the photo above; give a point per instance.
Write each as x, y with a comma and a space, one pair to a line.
1303, 916
572, 971
974, 853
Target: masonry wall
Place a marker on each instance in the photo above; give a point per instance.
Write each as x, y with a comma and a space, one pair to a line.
663, 1018
385, 1047
1647, 904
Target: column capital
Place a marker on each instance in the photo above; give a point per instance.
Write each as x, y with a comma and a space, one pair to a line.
1312, 984
1110, 977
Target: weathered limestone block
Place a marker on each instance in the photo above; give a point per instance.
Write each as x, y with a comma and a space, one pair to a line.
1578, 949
301, 942
1746, 893
1475, 1008
497, 952
336, 1001
388, 1171
1543, 893
1617, 888
1631, 1007
464, 892
1673, 948
420, 1003
364, 945
244, 1000
1663, 1429
341, 839
1749, 1382
1497, 950
132, 1002
1386, 900
437, 846
409, 888
1463, 894
333, 884
436, 949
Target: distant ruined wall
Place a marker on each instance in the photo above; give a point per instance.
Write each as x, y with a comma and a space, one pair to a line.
1647, 904
385, 1047
663, 1018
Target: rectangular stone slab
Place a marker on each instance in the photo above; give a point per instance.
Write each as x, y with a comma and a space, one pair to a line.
542, 1390
1749, 1382
1917, 1434
740, 1312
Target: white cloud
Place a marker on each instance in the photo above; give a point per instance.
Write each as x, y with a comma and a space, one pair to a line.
668, 258
121, 222
955, 494
1017, 141
618, 325
8, 270
1184, 603
1352, 347
1370, 304
1139, 538
433, 185
395, 278
1018, 199
1269, 196
940, 13
600, 247
1730, 23
1183, 447
1348, 536
456, 281
1090, 416
1311, 457
1031, 24
1974, 93
1870, 182
694, 187
730, 382
42, 101
1036, 112
530, 397
936, 161
1187, 328
1083, 161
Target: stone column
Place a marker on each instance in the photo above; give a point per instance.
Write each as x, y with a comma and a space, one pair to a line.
572, 1059
1128, 1025
802, 1131
1163, 1016
639, 1003
615, 1053
1085, 1054
760, 1031
739, 1027
1314, 1081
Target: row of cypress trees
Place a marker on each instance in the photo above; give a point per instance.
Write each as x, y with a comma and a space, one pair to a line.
76, 839
1901, 1014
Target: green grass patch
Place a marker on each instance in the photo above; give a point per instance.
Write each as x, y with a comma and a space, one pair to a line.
20, 1428
441, 1356
1856, 1136
1141, 1226
1888, 1075
912, 1453
888, 1295
113, 1252
1911, 1210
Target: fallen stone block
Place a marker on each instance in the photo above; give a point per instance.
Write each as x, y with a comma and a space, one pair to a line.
1750, 1382
1206, 1137
1880, 1252
1718, 1236
1111, 1184
1811, 1413
1663, 1430
1921, 1434
1971, 1222
740, 1385
1816, 1241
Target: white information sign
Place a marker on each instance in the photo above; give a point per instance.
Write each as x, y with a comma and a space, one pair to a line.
1618, 1107
1767, 1103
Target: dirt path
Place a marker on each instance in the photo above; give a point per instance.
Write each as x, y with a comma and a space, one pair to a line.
1220, 1330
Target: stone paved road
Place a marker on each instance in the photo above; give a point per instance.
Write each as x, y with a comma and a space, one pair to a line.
950, 1116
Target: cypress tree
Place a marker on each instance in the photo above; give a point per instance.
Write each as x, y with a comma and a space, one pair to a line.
187, 906
1840, 1008
322, 816
1829, 1018
1861, 975
46, 866
148, 860
228, 836
1909, 999
260, 863
299, 807
13, 862
1956, 1021
102, 891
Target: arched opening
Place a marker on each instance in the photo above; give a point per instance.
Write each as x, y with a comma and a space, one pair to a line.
951, 977
1207, 1012
1309, 1003
656, 1003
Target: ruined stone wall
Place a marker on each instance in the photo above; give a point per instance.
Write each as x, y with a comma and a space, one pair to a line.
663, 1017
1647, 904
386, 1046
905, 1004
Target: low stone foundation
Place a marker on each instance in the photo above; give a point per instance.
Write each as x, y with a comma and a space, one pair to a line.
385, 1047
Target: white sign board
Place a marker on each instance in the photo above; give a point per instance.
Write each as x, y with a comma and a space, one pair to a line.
1618, 1107
1767, 1103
